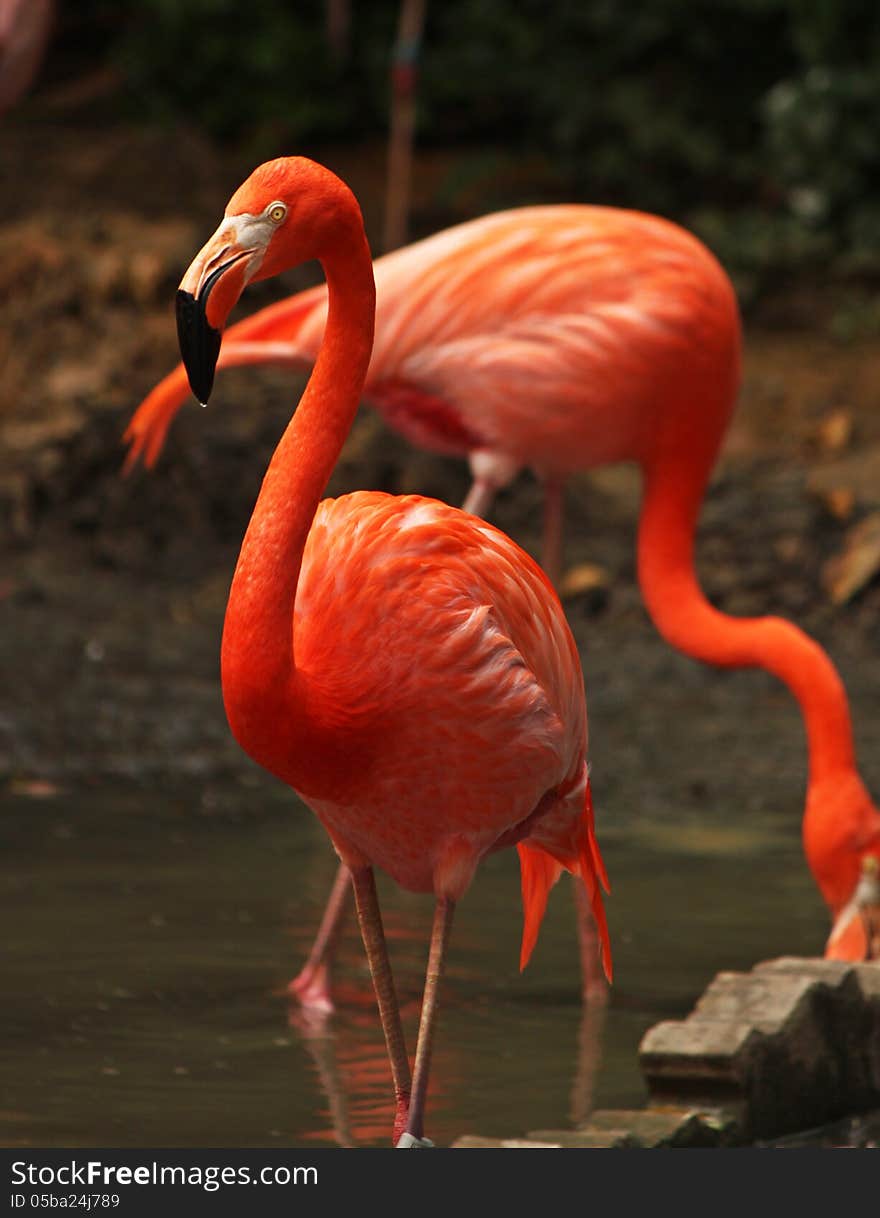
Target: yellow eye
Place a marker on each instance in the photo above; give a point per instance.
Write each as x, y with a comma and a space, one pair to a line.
277, 212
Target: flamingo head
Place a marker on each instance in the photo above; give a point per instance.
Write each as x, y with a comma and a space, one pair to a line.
855, 934
842, 843
287, 212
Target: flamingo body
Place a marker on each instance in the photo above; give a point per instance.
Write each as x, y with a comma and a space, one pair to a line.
408, 611
554, 337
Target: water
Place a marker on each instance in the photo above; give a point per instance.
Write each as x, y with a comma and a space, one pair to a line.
149, 936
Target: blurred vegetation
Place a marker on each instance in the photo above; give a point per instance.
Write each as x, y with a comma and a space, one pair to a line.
753, 120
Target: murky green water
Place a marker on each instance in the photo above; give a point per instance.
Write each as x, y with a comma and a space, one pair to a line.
148, 939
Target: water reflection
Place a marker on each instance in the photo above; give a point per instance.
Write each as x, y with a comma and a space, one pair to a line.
149, 945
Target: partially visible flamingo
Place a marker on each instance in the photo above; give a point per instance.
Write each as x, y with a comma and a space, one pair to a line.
564, 338
405, 667
25, 28
856, 931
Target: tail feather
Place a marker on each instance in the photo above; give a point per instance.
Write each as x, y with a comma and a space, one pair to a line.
538, 872
540, 869
148, 426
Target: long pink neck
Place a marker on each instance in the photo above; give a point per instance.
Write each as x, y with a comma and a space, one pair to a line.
257, 659
673, 493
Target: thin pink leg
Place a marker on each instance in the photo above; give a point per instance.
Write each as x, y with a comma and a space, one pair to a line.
411, 19
370, 919
479, 498
551, 546
312, 984
436, 959
594, 985
589, 1059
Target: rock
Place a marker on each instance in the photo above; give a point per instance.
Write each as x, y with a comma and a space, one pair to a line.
474, 1142
793, 1044
624, 1129
586, 1139
672, 1127
649, 1128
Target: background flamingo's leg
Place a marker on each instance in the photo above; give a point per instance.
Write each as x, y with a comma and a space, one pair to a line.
312, 984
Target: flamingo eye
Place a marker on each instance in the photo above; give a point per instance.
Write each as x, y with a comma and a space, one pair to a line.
276, 212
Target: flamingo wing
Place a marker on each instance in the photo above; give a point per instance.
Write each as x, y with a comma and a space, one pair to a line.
450, 653
550, 332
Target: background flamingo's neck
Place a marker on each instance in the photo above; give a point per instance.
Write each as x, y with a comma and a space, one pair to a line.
258, 646
673, 494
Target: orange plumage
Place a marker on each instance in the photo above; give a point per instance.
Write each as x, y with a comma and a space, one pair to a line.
445, 689
533, 337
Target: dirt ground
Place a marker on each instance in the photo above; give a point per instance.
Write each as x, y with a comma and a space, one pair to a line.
97, 225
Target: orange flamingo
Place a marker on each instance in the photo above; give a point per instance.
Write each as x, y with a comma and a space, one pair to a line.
402, 665
565, 337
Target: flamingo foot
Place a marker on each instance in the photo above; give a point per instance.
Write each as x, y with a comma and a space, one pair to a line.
408, 1142
311, 987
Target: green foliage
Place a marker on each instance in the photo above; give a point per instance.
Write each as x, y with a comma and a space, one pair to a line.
821, 137
757, 116
233, 66
640, 104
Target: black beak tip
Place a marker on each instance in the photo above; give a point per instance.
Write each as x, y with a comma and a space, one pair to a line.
199, 344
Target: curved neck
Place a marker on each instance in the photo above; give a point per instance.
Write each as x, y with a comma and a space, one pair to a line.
673, 495
257, 658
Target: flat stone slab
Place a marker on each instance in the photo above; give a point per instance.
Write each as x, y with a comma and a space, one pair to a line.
790, 1045
649, 1128
684, 1129
474, 1142
627, 1129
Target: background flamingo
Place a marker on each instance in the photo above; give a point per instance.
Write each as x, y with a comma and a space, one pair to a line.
403, 666
25, 28
566, 337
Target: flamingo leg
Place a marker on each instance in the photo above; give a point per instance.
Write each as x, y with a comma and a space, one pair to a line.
594, 992
414, 1136
370, 919
589, 1058
312, 984
480, 497
551, 543
593, 981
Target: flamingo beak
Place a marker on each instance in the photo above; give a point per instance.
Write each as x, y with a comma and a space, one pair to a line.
856, 932
199, 344
205, 298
